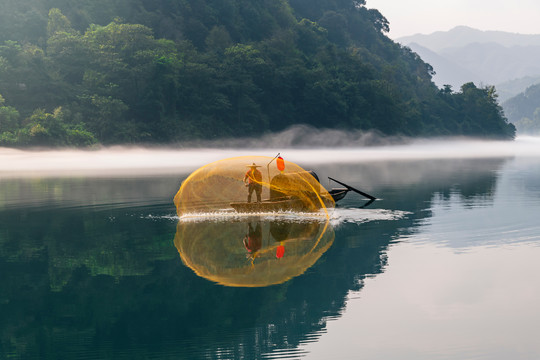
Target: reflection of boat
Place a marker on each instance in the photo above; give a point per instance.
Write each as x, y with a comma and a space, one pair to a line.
252, 253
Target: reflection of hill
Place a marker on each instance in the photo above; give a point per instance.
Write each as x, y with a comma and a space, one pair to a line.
105, 192
53, 258
157, 306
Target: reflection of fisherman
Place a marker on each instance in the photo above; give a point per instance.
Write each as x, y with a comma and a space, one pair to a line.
253, 180
253, 239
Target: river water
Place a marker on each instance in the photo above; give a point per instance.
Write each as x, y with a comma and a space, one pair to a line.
445, 264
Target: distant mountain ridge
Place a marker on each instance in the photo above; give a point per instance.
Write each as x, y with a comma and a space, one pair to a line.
495, 63
447, 71
490, 57
464, 35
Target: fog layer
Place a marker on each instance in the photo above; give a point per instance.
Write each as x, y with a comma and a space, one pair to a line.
328, 147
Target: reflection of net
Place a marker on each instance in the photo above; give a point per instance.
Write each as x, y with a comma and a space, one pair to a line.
216, 186
220, 252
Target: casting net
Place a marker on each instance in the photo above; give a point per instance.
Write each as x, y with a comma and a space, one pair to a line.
252, 184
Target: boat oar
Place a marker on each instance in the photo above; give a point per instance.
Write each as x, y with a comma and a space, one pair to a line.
353, 189
367, 204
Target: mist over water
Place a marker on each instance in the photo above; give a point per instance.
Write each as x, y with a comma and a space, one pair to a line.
304, 146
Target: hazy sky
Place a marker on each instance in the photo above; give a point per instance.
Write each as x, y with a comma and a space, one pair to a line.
408, 17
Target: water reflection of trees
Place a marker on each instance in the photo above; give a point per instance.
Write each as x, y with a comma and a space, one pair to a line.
105, 283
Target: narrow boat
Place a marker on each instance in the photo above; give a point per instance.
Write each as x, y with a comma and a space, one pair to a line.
289, 204
292, 203
338, 193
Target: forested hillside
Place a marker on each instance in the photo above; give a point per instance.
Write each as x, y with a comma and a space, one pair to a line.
77, 72
524, 110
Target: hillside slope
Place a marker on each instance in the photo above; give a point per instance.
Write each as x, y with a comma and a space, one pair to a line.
524, 110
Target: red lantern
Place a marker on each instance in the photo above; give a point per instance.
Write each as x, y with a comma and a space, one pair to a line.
280, 163
280, 251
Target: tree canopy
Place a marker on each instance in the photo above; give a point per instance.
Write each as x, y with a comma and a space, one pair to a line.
138, 71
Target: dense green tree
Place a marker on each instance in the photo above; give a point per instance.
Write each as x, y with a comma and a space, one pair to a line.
58, 23
48, 129
9, 117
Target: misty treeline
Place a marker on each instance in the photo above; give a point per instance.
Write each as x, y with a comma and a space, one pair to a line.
75, 73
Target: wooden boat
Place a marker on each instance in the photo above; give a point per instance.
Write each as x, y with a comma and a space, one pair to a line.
338, 193
289, 204
350, 188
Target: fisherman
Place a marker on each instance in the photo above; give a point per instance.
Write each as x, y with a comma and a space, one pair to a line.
253, 181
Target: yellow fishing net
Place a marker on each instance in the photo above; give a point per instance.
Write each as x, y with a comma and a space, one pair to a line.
251, 252
252, 184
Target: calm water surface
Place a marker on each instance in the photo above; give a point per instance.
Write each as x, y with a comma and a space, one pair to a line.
444, 266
